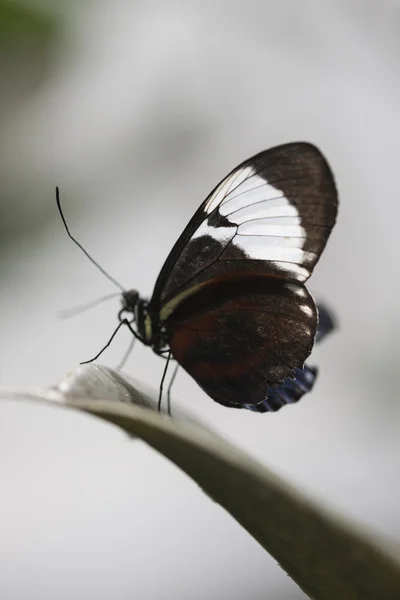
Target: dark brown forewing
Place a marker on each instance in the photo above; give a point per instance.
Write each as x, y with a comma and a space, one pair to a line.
271, 215
237, 338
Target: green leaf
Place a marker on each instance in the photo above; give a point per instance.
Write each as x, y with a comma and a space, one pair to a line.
22, 21
328, 558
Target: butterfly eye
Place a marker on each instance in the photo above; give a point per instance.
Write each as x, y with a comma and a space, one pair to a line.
129, 301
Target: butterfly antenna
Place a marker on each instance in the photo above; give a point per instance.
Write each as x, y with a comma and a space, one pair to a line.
96, 264
77, 310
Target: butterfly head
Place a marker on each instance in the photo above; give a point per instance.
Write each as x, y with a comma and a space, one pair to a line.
134, 306
130, 301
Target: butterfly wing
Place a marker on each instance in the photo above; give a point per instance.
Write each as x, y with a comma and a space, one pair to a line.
238, 340
271, 215
288, 392
302, 382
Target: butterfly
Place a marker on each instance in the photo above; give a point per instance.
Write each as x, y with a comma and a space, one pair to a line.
230, 304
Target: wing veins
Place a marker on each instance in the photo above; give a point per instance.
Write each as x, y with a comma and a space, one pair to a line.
266, 182
258, 187
300, 165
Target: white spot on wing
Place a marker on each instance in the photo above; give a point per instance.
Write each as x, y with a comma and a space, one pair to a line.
276, 249
294, 269
266, 228
221, 234
297, 290
271, 209
249, 198
307, 310
228, 184
246, 194
265, 246
268, 224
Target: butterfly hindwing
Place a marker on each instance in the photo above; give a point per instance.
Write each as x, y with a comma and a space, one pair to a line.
237, 339
288, 392
326, 322
292, 389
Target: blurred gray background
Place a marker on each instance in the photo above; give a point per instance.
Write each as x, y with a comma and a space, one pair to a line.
136, 110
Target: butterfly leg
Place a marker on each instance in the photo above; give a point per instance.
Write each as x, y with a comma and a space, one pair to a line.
85, 362
123, 322
162, 382
170, 387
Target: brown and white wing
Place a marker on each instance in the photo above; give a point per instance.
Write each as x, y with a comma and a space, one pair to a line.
272, 215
